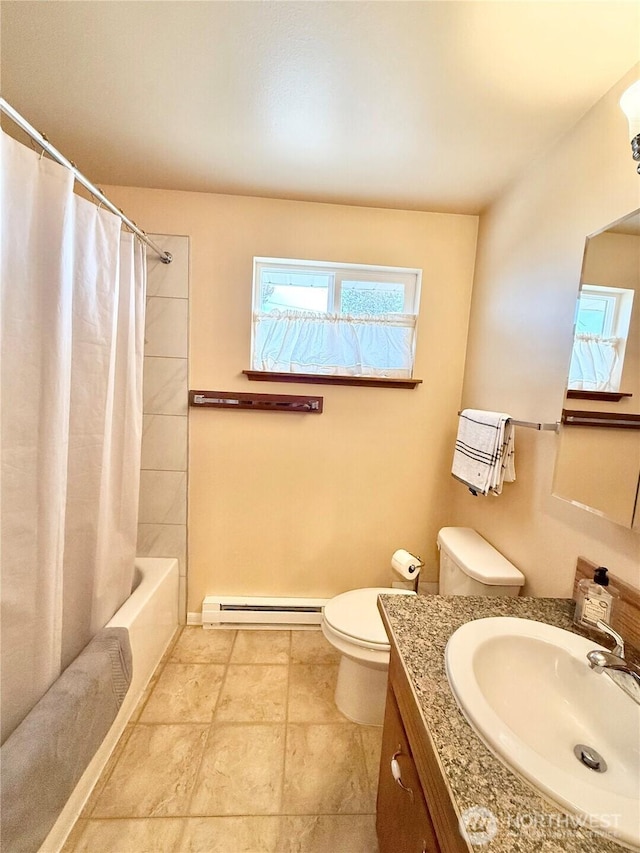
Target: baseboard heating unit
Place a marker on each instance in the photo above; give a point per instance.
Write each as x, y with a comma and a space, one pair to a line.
236, 611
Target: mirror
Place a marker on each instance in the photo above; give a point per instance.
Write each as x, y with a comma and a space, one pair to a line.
598, 467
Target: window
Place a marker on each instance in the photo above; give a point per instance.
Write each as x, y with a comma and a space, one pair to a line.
334, 319
596, 312
602, 325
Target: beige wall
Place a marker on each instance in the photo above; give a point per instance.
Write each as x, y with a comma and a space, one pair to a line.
528, 266
301, 504
313, 505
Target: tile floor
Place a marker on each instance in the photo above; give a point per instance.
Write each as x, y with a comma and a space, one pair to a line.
237, 747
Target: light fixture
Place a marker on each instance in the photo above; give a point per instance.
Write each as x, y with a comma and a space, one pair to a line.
630, 106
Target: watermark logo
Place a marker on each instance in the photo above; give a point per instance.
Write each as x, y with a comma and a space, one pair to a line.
556, 825
478, 825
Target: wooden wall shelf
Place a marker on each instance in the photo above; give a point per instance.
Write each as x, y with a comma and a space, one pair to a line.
256, 402
324, 379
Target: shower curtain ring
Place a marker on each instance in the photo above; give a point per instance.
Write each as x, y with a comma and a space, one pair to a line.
35, 146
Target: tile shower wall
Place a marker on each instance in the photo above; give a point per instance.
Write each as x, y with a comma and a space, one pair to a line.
162, 517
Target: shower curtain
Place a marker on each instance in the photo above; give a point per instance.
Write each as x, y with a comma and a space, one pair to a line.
72, 336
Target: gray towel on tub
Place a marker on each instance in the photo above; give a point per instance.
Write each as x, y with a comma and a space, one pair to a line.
43, 759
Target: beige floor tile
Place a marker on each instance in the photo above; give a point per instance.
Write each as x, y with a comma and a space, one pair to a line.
328, 834
372, 743
311, 694
261, 647
157, 835
73, 838
231, 835
135, 716
244, 797
155, 773
253, 694
241, 772
311, 647
148, 690
170, 646
184, 693
325, 771
107, 771
200, 645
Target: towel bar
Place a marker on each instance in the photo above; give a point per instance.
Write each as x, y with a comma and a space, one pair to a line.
532, 425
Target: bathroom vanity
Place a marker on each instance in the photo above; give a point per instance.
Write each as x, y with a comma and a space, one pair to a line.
429, 747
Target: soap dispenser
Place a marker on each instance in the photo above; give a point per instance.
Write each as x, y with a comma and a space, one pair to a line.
594, 600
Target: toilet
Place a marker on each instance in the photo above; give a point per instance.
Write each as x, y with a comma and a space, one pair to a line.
352, 624
469, 565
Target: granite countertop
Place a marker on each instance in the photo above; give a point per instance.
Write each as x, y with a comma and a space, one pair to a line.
420, 627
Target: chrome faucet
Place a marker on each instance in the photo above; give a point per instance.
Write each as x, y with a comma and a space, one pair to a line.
621, 671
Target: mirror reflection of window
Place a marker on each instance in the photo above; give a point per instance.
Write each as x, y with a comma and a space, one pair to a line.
602, 326
597, 468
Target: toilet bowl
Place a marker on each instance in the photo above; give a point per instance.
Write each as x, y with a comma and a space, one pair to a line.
352, 624
469, 565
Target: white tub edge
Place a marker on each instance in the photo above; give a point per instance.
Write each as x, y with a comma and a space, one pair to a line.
151, 615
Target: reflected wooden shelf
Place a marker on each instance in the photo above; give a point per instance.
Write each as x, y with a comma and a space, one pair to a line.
607, 420
605, 396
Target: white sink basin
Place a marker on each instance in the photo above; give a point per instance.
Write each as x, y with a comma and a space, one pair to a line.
529, 693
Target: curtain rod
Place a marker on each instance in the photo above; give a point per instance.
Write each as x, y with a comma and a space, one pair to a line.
43, 142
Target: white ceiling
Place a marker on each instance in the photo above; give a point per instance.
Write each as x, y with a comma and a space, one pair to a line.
430, 105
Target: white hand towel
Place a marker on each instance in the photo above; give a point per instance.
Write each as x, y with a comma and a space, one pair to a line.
484, 453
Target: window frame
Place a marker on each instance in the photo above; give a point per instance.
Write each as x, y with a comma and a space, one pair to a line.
617, 322
410, 277
617, 315
610, 312
413, 286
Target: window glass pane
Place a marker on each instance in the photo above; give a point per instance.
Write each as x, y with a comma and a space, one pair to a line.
294, 291
371, 297
593, 313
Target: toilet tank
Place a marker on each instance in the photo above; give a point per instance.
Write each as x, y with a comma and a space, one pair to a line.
469, 565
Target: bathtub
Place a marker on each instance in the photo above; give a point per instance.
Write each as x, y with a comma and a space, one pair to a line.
151, 616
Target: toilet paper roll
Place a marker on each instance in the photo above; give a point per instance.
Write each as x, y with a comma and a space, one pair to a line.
406, 564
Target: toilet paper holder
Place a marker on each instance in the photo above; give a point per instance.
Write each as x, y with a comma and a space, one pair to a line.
416, 570
407, 565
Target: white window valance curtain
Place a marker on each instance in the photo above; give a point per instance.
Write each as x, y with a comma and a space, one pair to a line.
334, 344
593, 362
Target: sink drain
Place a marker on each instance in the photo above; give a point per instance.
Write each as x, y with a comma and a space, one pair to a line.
590, 757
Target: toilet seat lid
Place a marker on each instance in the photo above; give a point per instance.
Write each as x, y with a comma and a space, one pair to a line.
355, 614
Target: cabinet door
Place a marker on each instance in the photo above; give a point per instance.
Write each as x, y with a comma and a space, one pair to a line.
403, 822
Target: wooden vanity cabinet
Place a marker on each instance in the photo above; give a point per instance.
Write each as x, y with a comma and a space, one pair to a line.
403, 822
423, 821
